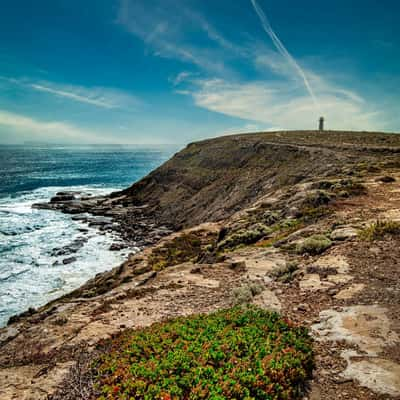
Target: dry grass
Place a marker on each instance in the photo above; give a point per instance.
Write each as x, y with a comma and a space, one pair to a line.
379, 229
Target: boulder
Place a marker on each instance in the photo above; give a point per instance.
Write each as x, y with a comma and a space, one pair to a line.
344, 233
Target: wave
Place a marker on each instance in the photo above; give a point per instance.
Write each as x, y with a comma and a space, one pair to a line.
31, 273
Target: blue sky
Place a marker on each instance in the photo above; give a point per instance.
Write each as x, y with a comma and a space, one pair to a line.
174, 71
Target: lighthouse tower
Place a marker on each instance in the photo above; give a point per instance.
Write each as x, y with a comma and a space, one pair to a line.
321, 124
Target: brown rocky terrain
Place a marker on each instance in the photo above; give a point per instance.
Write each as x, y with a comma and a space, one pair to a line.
304, 223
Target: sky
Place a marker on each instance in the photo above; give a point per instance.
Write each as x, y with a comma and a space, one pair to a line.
175, 71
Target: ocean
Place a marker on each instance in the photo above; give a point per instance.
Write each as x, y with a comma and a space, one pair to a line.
31, 272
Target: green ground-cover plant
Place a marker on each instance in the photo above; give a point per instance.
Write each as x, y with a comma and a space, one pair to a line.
378, 230
238, 353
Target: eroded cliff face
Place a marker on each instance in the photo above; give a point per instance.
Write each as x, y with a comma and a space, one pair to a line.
294, 213
212, 179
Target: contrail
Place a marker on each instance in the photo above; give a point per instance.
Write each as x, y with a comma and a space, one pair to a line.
282, 49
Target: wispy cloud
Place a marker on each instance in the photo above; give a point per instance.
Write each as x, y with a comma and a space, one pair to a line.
281, 93
102, 97
165, 29
282, 50
280, 105
51, 130
181, 77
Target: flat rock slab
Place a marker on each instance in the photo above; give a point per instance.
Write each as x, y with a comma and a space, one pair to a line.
8, 333
391, 215
268, 301
259, 262
313, 282
350, 292
378, 374
337, 262
29, 383
339, 278
367, 327
344, 233
183, 274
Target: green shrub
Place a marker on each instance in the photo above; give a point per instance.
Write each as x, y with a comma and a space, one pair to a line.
244, 294
379, 229
239, 353
313, 245
352, 187
183, 248
309, 214
285, 273
245, 237
317, 198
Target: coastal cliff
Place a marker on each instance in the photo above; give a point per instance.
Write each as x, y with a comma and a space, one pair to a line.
312, 219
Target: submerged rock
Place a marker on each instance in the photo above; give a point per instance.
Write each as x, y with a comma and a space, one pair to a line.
69, 260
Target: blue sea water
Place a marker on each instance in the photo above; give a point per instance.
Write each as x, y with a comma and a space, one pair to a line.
30, 274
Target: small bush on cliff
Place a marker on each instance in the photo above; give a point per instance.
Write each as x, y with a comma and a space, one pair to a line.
184, 248
313, 245
244, 294
285, 273
351, 187
386, 179
231, 354
380, 229
245, 237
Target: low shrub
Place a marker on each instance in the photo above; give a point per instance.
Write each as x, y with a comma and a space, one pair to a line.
285, 273
309, 214
380, 229
314, 245
244, 294
350, 186
386, 179
238, 353
317, 198
184, 248
245, 236
280, 231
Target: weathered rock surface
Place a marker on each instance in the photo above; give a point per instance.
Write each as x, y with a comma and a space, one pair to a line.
344, 233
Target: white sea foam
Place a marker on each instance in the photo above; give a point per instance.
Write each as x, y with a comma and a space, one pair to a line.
30, 275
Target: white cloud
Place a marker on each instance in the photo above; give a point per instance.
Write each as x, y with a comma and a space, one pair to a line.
181, 77
52, 130
164, 27
281, 93
281, 104
283, 51
102, 97
96, 96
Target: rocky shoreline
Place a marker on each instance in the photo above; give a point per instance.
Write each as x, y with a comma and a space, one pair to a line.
134, 228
